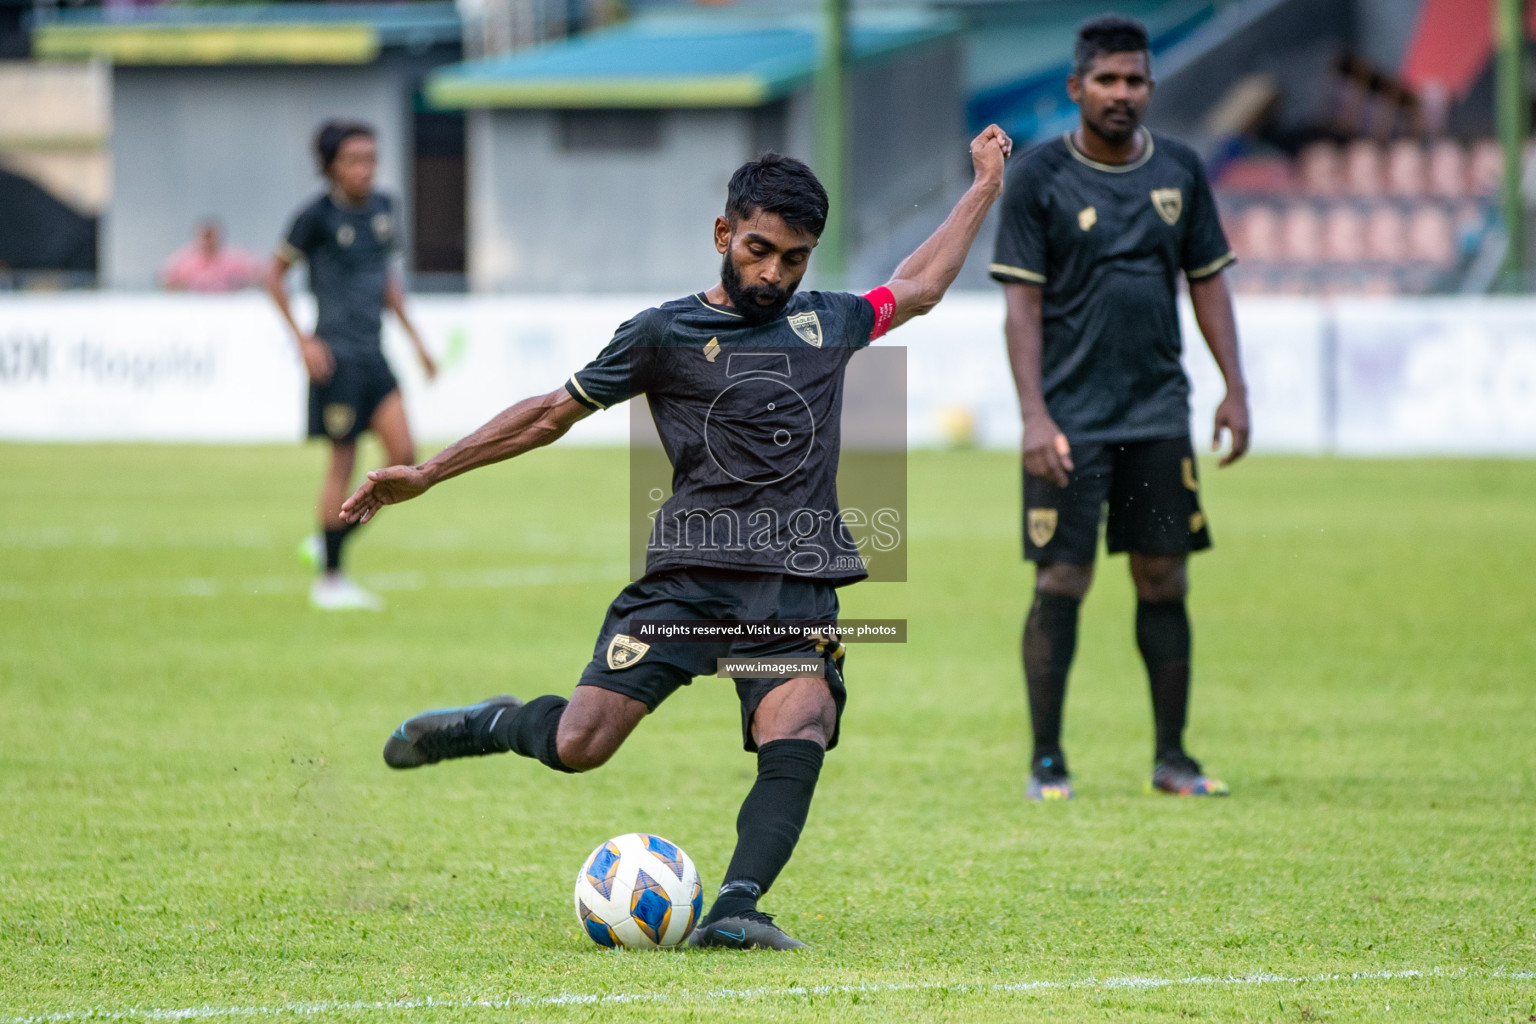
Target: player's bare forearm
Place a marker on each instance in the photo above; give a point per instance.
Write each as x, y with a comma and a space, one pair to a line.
1047, 454
277, 272
923, 277
1218, 324
1025, 336
531, 423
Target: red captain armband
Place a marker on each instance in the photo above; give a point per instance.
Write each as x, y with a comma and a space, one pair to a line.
885, 310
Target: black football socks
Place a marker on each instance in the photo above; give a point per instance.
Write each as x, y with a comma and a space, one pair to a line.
769, 824
531, 730
334, 538
1050, 641
1162, 634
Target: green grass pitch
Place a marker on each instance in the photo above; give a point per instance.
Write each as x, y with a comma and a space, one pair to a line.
194, 814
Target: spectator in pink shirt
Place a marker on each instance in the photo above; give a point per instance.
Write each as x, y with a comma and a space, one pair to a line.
208, 265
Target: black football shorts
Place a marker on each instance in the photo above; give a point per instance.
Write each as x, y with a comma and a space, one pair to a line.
342, 407
1152, 489
652, 672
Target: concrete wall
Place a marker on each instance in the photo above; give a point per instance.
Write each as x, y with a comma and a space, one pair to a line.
233, 143
544, 218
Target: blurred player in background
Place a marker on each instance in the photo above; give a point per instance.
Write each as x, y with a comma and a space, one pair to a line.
694, 358
1095, 229
348, 235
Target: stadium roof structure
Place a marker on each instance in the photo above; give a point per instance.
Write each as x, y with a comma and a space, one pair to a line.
720, 61
284, 33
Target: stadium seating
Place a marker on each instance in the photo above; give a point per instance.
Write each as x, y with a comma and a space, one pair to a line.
1361, 217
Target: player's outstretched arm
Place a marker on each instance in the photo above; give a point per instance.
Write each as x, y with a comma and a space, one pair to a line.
531, 423
923, 277
1213, 312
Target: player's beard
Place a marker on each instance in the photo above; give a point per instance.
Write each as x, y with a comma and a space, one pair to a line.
1119, 133
745, 299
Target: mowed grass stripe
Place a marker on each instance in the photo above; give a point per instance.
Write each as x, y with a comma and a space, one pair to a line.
194, 812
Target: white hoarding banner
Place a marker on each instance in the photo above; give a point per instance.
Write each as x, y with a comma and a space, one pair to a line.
1390, 376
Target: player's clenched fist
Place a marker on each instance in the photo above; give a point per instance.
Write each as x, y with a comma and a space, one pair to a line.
988, 151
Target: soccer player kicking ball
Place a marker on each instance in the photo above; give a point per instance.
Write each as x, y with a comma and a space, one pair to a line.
348, 236
745, 385
1095, 228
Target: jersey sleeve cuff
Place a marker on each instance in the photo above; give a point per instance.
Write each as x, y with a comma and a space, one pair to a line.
289, 252
1212, 268
580, 394
1003, 272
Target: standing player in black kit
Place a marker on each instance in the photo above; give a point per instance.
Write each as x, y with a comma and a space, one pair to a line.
348, 235
745, 386
1095, 229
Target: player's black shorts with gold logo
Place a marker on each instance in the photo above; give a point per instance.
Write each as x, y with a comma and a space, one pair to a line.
1153, 492
652, 672
341, 408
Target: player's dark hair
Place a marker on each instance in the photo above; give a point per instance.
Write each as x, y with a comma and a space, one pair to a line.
331, 135
778, 184
1109, 33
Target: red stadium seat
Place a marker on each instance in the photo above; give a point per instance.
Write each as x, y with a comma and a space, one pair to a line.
1302, 235
1431, 239
1362, 169
1406, 170
1318, 163
1487, 170
1258, 238
1448, 169
1343, 235
1386, 235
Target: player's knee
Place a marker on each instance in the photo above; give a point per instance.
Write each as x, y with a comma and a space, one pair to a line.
1159, 578
1064, 578
584, 744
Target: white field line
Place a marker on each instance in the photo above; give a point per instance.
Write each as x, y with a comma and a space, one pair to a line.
206, 586
749, 994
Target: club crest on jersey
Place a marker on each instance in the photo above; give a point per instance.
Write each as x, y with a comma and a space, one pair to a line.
346, 235
1042, 525
1087, 217
624, 651
807, 326
383, 226
1169, 203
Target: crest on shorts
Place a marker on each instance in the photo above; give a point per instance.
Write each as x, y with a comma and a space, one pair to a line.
624, 651
338, 419
383, 227
807, 326
1042, 526
1087, 217
1169, 203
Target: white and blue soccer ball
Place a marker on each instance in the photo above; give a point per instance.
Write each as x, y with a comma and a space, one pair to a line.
640, 892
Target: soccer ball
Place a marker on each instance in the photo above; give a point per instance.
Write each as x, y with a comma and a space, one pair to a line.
638, 891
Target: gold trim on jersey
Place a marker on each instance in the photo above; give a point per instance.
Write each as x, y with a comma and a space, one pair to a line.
717, 309
1018, 272
584, 394
712, 350
1146, 154
1211, 268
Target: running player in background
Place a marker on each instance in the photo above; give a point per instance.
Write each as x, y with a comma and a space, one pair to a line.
348, 235
1095, 229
